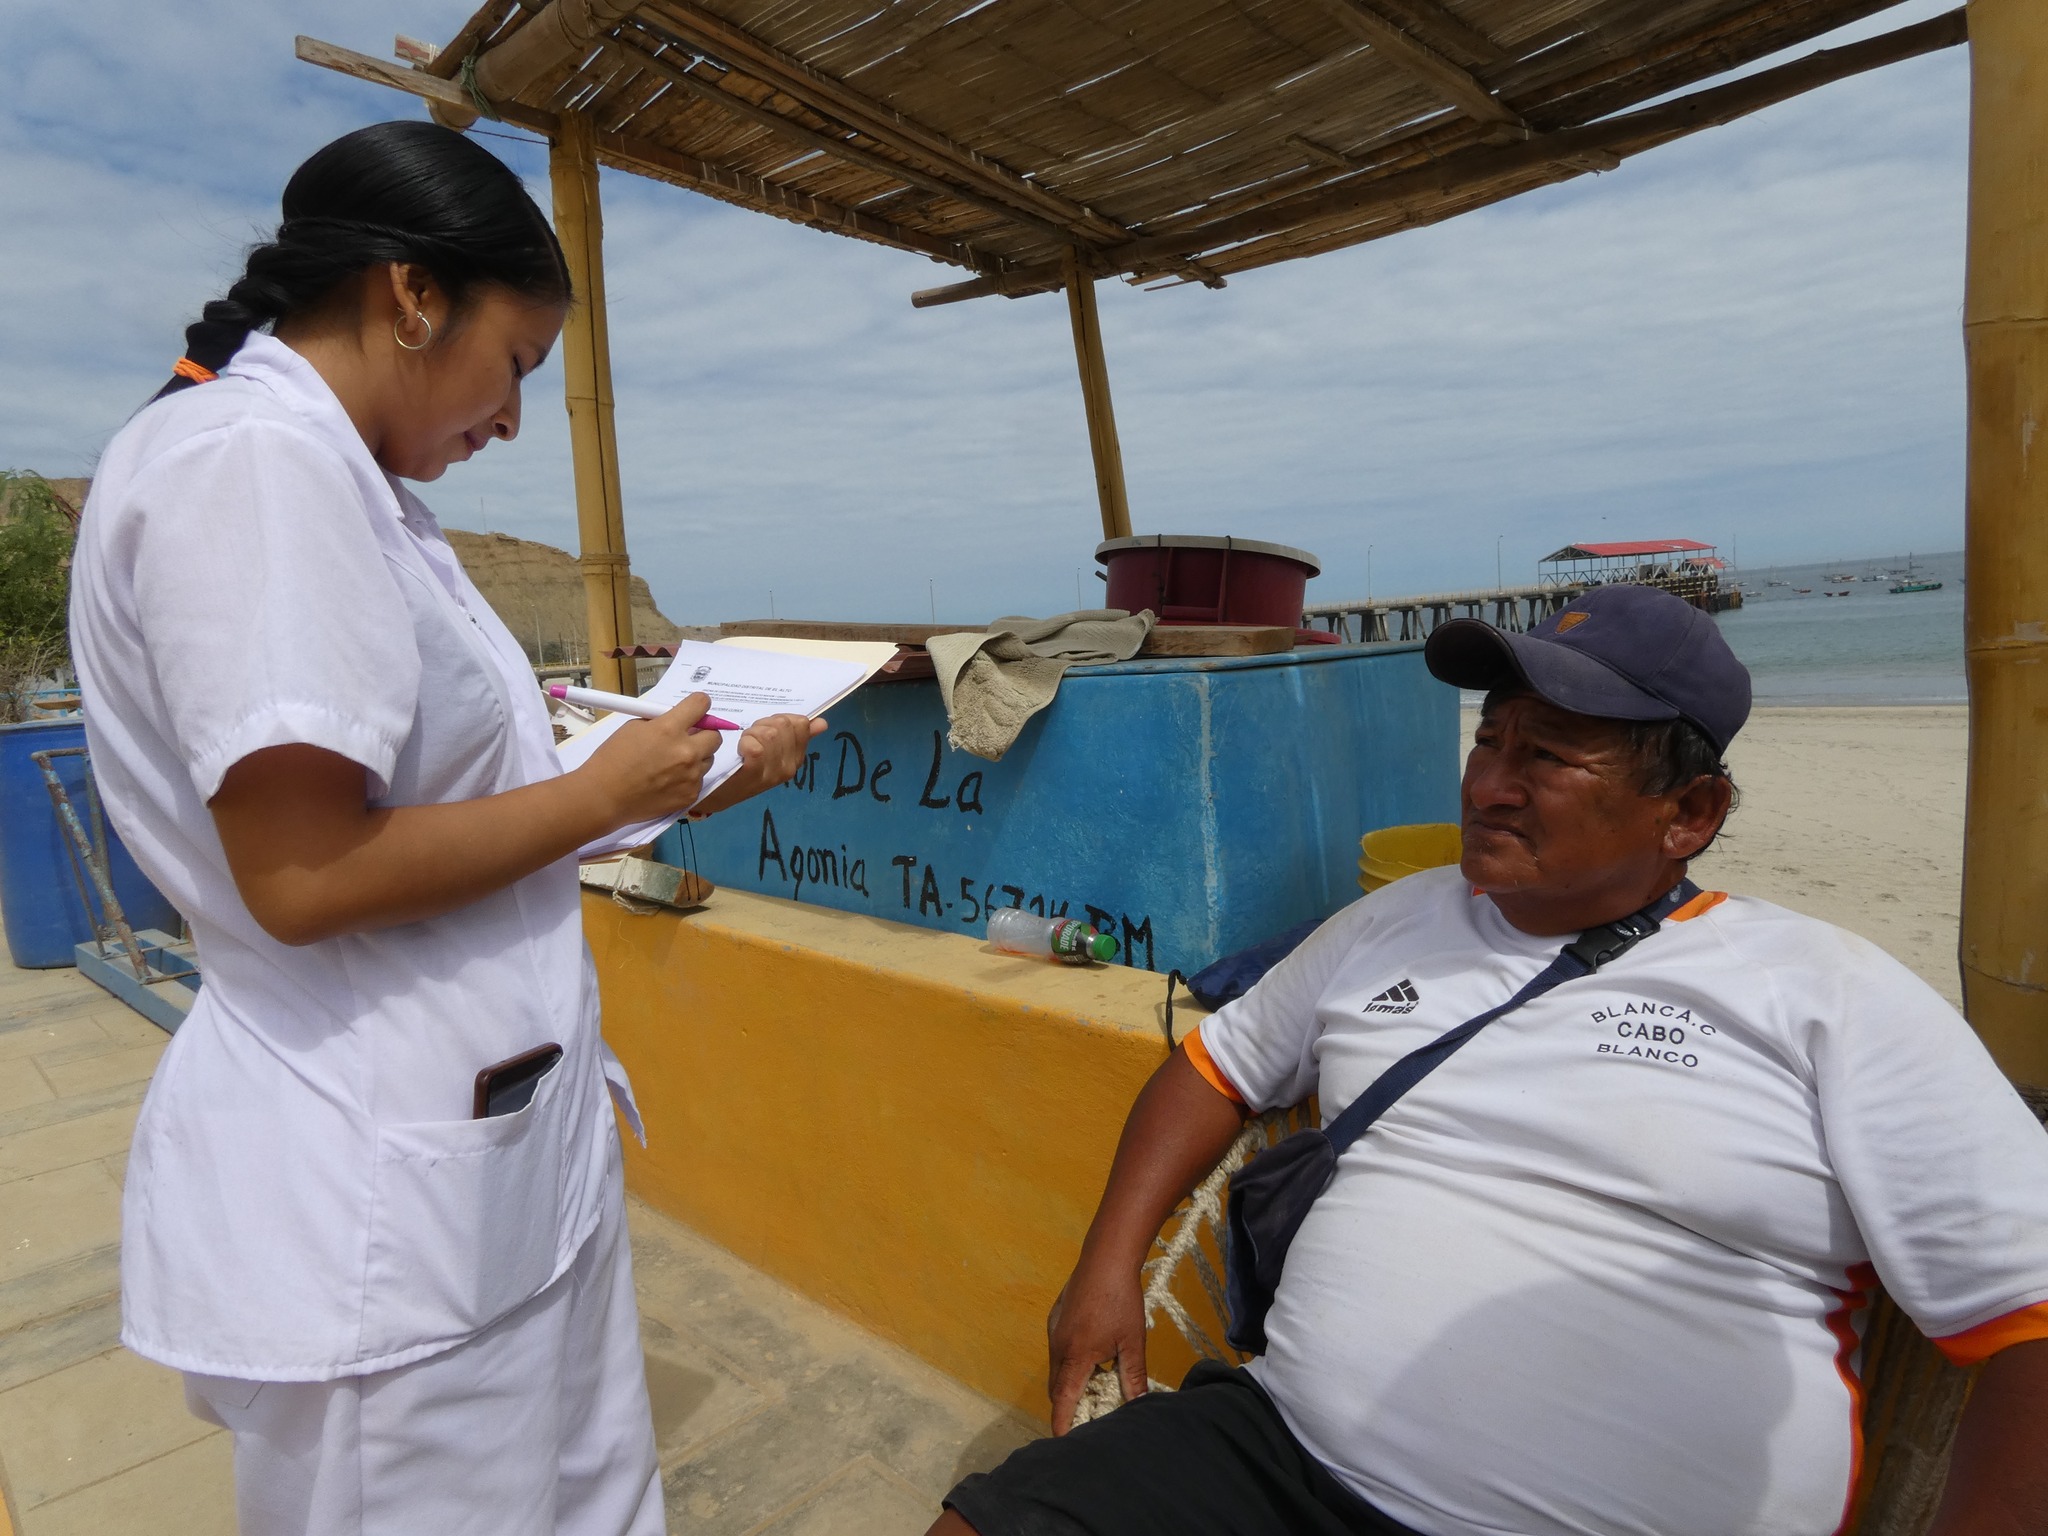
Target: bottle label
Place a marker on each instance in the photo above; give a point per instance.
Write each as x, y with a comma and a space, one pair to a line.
1070, 938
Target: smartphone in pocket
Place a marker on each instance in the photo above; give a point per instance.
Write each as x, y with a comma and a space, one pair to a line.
508, 1087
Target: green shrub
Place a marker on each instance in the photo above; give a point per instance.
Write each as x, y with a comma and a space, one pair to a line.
35, 561
35, 581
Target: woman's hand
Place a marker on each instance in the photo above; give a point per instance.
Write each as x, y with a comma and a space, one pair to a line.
771, 752
648, 769
1099, 1316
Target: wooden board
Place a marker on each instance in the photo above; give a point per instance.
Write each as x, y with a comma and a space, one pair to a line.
1218, 640
912, 664
831, 629
1166, 640
631, 879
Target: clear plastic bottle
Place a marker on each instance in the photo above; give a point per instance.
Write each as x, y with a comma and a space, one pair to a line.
1065, 939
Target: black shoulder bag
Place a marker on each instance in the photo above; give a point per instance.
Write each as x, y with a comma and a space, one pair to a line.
1271, 1194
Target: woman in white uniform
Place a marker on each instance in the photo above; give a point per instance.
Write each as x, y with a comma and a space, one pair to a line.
321, 743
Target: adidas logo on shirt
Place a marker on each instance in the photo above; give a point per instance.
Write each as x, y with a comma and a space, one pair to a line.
1401, 997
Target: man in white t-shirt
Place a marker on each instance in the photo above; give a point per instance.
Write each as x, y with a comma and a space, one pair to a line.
1604, 1270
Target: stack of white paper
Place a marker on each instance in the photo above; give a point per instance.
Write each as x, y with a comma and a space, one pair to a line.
744, 686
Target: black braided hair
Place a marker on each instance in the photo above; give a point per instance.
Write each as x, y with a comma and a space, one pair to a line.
393, 192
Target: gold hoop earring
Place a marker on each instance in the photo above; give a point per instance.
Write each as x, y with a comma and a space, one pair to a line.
409, 345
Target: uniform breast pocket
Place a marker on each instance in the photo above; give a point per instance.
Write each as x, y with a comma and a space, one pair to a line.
464, 1222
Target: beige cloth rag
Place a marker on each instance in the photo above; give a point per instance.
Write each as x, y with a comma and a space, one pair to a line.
994, 680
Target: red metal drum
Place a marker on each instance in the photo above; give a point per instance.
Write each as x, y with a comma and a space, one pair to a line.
1187, 578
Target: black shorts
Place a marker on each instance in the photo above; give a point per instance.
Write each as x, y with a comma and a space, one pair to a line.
1213, 1459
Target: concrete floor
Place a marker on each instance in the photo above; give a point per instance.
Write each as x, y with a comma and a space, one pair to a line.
772, 1415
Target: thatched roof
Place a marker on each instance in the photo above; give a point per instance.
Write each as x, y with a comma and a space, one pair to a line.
1180, 140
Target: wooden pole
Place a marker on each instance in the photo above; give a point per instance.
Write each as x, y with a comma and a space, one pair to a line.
2005, 608
587, 383
1102, 443
1419, 61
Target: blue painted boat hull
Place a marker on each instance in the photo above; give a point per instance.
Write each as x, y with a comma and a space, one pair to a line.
1189, 807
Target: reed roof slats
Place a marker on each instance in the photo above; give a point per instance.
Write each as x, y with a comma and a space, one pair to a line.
1174, 140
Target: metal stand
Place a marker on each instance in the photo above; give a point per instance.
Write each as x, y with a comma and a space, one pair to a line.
145, 970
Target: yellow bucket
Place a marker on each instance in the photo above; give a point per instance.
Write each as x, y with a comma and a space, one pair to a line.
1393, 852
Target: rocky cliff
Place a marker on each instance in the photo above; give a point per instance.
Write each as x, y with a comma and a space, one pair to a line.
538, 591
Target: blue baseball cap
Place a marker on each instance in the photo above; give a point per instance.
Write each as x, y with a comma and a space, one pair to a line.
1619, 652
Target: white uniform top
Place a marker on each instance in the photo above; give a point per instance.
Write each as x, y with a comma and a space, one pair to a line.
307, 1196
1600, 1272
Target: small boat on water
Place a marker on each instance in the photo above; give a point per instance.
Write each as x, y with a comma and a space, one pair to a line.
1803, 591
1909, 582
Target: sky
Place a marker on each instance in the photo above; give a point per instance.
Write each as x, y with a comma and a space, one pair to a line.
1750, 337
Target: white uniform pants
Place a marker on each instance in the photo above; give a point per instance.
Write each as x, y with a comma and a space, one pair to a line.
538, 1426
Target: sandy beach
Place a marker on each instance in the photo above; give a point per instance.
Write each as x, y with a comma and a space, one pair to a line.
1854, 816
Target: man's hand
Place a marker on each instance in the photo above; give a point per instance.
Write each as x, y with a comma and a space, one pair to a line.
1177, 1131
1099, 1316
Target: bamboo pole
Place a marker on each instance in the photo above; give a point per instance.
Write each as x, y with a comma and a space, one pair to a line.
1419, 61
736, 48
1102, 441
560, 32
634, 55
2005, 610
587, 384
1431, 18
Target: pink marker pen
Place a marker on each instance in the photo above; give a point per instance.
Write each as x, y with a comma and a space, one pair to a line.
626, 704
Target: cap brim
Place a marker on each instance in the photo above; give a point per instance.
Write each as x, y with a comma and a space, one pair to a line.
1470, 653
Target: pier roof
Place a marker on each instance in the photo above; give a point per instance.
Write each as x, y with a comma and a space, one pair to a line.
1626, 549
1168, 140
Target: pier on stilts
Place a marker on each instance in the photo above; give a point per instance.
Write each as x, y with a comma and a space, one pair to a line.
1518, 609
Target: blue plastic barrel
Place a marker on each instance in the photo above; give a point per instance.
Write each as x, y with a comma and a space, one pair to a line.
44, 915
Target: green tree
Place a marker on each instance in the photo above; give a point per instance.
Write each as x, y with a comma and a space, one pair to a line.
35, 561
35, 580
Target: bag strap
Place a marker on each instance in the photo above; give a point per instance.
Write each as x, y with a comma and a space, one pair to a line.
1583, 956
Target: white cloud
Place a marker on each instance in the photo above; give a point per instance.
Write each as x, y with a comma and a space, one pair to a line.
1753, 334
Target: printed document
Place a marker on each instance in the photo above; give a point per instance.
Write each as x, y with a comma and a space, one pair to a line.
744, 685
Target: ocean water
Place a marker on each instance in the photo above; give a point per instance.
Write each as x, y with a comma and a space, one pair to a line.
1870, 647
